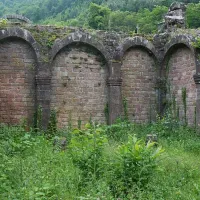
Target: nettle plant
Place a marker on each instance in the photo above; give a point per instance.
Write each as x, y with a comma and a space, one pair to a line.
86, 150
133, 165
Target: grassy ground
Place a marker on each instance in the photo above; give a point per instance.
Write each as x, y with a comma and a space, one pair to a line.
101, 162
179, 177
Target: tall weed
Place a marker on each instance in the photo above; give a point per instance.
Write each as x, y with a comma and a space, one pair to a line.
132, 166
86, 150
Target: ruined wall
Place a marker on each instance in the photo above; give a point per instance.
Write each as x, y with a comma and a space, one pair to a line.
17, 81
181, 69
79, 90
79, 73
138, 87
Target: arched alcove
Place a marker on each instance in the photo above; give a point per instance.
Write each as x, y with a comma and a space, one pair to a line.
18, 63
179, 67
139, 72
79, 91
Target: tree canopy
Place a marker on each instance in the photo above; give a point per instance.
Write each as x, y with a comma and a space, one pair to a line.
119, 15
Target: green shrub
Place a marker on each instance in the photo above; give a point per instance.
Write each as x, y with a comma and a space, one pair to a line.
15, 140
119, 131
86, 149
133, 165
165, 126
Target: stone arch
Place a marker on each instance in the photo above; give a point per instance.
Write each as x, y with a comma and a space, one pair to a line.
79, 37
133, 43
79, 74
18, 65
179, 65
139, 72
18, 17
180, 39
22, 34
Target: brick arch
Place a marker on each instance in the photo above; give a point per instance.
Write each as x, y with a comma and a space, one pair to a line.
134, 43
79, 37
21, 34
178, 40
78, 84
18, 17
18, 64
139, 71
179, 65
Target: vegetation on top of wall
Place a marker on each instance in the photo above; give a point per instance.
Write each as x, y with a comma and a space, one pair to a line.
196, 44
3, 22
45, 37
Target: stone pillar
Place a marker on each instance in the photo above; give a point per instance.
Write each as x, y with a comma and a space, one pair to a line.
197, 81
43, 97
114, 83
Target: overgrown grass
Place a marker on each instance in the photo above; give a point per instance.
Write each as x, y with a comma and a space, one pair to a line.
101, 162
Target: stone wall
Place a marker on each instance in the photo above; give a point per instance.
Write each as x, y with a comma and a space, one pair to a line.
17, 81
138, 87
180, 72
78, 72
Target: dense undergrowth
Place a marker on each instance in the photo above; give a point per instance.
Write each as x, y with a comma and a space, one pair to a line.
101, 162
